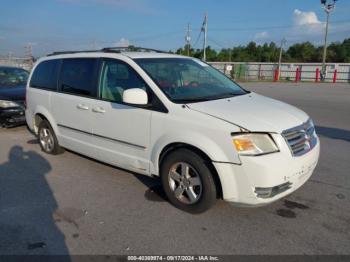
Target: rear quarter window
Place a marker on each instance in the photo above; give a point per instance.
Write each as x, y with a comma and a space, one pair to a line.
45, 75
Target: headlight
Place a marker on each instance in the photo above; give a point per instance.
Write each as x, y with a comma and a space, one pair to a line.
7, 104
254, 144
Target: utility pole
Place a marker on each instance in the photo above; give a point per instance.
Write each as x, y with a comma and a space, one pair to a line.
205, 30
29, 50
283, 42
29, 53
328, 8
188, 39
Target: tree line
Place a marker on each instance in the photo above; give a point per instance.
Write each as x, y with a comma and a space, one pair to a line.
338, 52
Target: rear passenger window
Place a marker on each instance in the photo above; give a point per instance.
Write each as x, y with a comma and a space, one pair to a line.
45, 75
78, 76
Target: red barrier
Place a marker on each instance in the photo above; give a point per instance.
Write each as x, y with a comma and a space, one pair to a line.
276, 75
335, 76
317, 75
297, 75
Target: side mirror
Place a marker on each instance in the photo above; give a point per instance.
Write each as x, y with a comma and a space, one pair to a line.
135, 96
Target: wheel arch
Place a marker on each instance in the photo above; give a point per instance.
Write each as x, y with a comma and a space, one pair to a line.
38, 118
40, 115
180, 145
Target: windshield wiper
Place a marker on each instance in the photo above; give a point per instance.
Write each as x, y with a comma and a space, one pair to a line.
191, 100
208, 98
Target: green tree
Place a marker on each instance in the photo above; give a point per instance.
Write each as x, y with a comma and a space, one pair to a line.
304, 52
269, 52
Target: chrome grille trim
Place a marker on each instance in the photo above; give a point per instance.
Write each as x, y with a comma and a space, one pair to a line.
301, 139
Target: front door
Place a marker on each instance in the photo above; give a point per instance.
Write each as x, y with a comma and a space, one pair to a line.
121, 132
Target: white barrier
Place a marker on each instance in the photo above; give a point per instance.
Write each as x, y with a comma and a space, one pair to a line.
340, 72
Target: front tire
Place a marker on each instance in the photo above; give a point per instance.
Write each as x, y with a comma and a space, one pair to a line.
188, 181
47, 139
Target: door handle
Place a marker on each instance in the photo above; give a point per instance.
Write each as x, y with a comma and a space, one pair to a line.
99, 109
82, 107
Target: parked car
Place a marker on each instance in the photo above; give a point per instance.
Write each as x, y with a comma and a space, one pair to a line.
175, 117
13, 81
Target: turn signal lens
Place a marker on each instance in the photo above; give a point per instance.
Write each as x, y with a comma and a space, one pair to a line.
243, 144
253, 144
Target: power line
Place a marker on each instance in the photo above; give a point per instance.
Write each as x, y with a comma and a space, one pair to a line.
155, 36
216, 42
243, 28
272, 27
199, 35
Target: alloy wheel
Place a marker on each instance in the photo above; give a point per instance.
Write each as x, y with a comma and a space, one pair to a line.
185, 183
46, 139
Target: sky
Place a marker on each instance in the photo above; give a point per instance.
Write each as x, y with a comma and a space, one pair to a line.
57, 25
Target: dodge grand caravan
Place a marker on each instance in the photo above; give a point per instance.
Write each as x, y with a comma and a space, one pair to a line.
174, 117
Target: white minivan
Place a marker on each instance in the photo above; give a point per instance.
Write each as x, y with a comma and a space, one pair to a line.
175, 117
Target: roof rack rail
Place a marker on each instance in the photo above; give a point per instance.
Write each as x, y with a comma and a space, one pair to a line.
110, 50
130, 48
73, 52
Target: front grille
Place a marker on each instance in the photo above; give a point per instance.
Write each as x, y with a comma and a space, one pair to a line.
301, 139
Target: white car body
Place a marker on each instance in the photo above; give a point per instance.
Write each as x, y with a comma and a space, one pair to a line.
136, 137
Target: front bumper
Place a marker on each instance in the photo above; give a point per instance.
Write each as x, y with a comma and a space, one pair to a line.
240, 182
13, 116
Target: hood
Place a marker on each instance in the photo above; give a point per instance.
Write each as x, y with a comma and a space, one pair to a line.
12, 93
253, 112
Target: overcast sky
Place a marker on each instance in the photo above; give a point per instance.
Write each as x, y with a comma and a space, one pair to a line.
51, 25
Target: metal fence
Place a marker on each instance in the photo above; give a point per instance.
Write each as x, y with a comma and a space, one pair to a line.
288, 72
22, 62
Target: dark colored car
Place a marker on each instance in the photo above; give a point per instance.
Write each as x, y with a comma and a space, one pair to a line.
13, 82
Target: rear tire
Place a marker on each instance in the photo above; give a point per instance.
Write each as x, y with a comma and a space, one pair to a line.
188, 181
48, 140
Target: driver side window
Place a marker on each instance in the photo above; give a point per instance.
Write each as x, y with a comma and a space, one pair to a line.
116, 77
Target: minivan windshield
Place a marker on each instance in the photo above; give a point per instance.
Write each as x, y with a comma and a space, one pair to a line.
186, 80
11, 77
